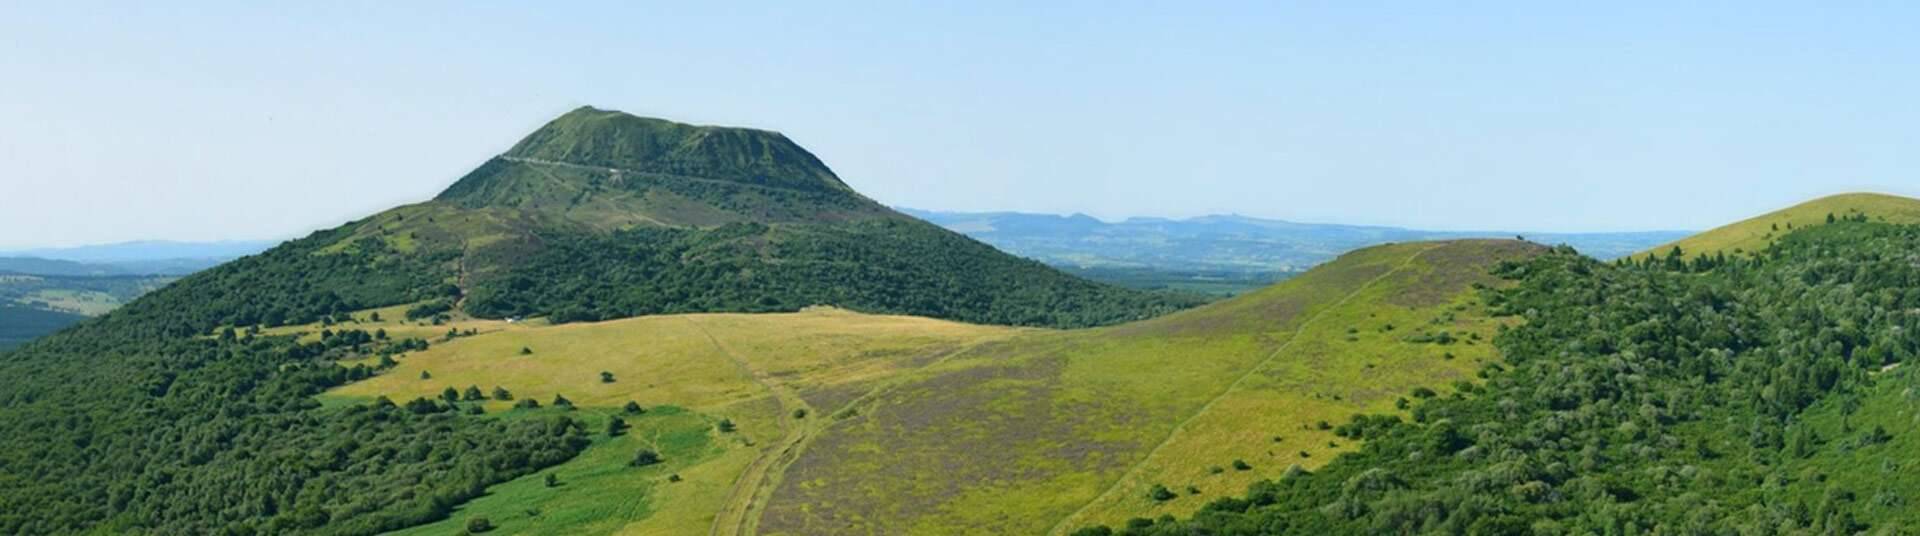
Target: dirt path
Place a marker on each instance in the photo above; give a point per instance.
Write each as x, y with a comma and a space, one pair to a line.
1069, 522
734, 516
740, 515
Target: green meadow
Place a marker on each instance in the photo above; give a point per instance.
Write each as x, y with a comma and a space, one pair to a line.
855, 423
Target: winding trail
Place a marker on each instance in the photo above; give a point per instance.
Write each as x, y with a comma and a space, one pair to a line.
755, 486
734, 515
1074, 519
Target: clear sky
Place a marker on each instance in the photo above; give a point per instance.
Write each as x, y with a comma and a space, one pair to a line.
196, 121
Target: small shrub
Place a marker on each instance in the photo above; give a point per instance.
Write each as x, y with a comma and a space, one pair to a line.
1160, 493
478, 525
645, 458
1241, 465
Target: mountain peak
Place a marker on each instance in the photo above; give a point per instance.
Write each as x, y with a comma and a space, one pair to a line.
593, 137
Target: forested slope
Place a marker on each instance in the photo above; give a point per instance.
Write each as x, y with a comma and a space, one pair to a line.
1721, 395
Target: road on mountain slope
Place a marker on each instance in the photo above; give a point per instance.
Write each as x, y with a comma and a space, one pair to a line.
571, 165
1068, 523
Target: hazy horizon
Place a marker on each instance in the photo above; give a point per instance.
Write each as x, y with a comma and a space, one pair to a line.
247, 122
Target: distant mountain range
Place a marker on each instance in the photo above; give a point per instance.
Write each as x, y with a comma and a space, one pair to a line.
1225, 242
146, 257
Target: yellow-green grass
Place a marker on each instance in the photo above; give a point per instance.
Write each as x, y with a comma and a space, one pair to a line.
1044, 431
753, 369
1755, 234
920, 426
1356, 357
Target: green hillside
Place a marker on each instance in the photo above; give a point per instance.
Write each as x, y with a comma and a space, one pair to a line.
1053, 430
603, 215
21, 323
191, 410
1021, 430
1754, 395
1754, 234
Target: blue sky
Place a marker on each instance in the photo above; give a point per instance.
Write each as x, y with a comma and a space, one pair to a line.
200, 121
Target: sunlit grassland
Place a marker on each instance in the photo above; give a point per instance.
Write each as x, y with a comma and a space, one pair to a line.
1360, 357
1754, 234
717, 366
1015, 437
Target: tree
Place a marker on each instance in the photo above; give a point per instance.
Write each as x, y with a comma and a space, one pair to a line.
478, 525
376, 318
450, 395
526, 350
645, 458
473, 394
606, 377
424, 375
527, 404
553, 480
561, 401
633, 408
501, 393
1160, 493
800, 413
616, 426
726, 425
1241, 465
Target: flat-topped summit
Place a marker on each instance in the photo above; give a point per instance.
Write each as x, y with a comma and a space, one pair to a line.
614, 140
609, 169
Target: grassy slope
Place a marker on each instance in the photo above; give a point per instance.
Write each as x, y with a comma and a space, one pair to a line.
1754, 234
752, 369
1049, 431
923, 426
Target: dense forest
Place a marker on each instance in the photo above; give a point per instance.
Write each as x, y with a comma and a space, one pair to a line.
1703, 395
20, 323
878, 266
160, 418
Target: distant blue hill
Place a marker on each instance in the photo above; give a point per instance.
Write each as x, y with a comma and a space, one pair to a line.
1225, 242
146, 257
